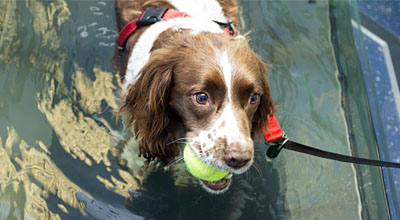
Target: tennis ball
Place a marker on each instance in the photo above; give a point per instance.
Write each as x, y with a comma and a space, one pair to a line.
199, 169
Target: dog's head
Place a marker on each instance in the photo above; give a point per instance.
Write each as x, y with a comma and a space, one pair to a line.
215, 86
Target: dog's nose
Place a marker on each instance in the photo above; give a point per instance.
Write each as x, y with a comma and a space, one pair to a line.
237, 158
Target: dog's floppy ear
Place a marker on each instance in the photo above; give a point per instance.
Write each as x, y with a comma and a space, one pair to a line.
145, 106
267, 106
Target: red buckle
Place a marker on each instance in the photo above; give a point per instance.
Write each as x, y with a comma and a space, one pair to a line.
274, 131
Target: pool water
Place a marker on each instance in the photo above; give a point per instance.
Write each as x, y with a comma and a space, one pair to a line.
59, 137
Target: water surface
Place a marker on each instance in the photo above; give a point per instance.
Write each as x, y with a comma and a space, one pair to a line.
58, 134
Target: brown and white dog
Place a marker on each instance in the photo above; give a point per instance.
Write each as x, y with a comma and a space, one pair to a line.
187, 76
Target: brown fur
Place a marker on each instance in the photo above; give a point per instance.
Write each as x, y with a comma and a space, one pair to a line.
146, 106
128, 10
230, 8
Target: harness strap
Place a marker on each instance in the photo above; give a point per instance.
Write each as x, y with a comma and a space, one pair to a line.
148, 17
153, 15
277, 139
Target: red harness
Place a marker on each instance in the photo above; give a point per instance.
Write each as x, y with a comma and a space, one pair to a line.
153, 15
148, 17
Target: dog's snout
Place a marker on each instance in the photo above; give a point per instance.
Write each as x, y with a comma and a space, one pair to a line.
237, 157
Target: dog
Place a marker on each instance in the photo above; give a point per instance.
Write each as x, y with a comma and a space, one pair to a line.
191, 79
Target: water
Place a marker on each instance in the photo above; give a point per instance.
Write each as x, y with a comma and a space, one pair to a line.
58, 134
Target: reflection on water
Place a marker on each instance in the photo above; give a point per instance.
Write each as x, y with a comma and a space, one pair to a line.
49, 128
58, 134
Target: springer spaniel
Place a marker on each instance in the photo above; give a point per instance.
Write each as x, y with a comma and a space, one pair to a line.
186, 80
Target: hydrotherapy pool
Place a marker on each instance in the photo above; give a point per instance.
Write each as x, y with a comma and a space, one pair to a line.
58, 134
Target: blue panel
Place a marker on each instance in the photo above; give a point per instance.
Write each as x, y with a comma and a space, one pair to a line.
384, 113
386, 13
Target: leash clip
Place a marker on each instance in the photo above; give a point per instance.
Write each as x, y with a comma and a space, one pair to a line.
276, 146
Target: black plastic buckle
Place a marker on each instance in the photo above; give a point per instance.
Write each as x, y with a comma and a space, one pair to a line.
151, 16
275, 147
228, 25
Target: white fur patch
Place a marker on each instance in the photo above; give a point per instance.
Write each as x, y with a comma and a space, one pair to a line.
226, 126
227, 73
141, 51
205, 9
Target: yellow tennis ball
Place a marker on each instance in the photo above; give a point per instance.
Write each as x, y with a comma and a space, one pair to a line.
199, 169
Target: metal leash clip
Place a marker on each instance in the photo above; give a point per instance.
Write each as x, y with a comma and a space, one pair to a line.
276, 146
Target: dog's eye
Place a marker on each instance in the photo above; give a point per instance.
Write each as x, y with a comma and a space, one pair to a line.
254, 98
201, 98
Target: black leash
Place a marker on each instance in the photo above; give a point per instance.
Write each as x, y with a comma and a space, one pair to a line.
284, 142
